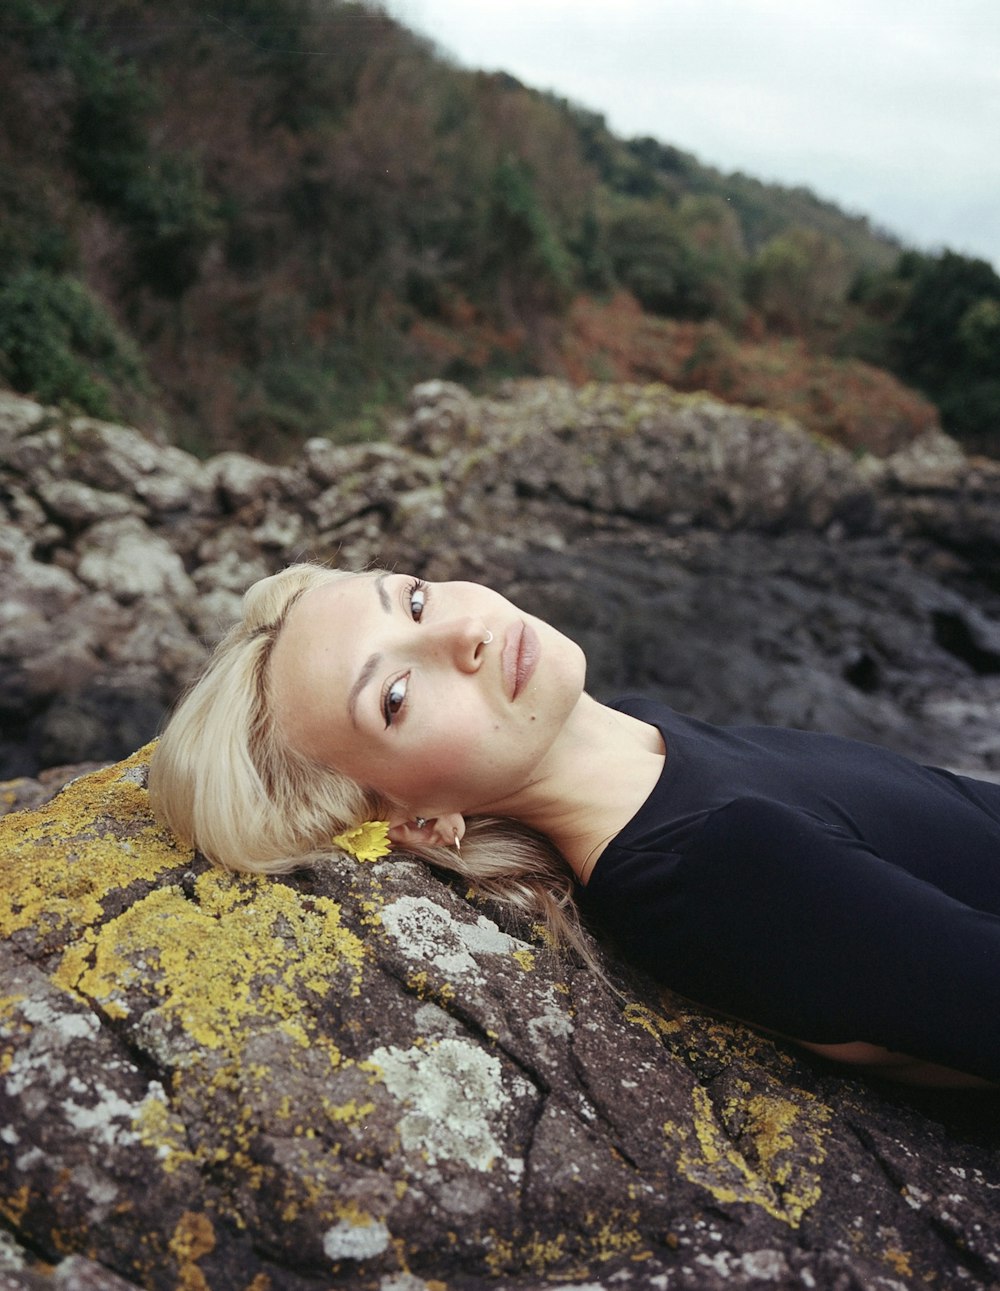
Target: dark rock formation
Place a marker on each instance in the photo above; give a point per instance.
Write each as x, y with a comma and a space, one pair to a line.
356, 1078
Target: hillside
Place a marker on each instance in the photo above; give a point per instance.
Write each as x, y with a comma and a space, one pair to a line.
245, 224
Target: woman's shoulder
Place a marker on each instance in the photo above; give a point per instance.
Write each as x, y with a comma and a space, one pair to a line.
734, 833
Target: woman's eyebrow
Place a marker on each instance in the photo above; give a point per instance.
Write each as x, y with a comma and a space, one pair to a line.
364, 677
373, 660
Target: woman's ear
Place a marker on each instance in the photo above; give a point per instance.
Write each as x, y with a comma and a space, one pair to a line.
442, 831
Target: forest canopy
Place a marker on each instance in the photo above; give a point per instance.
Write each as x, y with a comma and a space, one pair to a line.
251, 221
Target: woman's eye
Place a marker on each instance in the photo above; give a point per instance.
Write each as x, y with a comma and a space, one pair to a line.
395, 697
417, 595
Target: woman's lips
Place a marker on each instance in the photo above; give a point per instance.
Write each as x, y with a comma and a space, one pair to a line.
521, 649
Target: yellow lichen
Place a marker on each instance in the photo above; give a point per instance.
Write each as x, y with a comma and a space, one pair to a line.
351, 1213
778, 1176
371, 914
900, 1261
654, 1023
349, 1113
58, 862
533, 1254
599, 1237
158, 1128
217, 963
193, 1237
424, 989
246, 950
543, 933
613, 1234
13, 1206
526, 959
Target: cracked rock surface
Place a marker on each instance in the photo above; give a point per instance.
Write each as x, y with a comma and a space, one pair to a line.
355, 1077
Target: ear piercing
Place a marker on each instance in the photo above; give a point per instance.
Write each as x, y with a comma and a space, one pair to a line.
488, 638
421, 823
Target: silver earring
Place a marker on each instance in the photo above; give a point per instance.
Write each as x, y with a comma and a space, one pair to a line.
420, 822
458, 843
488, 638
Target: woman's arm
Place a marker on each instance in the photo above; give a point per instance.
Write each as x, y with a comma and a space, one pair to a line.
872, 1060
798, 926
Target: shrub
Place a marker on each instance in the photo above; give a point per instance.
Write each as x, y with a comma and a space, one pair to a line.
58, 343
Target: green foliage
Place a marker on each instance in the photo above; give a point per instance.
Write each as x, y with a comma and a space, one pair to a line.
107, 141
650, 257
978, 334
59, 344
681, 262
160, 195
299, 207
521, 247
971, 412
29, 234
799, 281
939, 340
939, 322
174, 219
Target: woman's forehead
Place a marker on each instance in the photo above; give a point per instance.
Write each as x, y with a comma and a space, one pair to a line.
312, 656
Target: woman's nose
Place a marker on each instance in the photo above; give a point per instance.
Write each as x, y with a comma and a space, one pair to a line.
462, 639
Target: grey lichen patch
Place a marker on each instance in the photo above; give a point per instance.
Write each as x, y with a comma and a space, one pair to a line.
351, 1239
426, 931
455, 1099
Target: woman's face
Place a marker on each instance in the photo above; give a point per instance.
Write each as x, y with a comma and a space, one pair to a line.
442, 696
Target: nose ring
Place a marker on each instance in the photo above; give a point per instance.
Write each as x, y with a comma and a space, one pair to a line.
488, 638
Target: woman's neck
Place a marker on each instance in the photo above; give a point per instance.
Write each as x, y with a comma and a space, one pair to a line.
601, 770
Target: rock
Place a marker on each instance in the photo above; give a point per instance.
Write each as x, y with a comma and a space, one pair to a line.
26, 792
355, 1077
123, 558
112, 458
241, 481
442, 418
648, 454
18, 416
74, 505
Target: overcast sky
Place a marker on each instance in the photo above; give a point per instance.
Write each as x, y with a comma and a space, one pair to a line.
890, 108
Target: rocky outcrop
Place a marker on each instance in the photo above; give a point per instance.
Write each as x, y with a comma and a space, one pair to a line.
357, 1078
719, 557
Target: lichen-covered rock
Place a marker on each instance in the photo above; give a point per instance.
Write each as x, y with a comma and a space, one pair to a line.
356, 1078
649, 454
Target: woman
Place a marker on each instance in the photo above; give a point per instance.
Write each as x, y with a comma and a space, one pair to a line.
822, 889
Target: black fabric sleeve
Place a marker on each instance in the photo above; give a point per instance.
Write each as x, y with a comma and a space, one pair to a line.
785, 920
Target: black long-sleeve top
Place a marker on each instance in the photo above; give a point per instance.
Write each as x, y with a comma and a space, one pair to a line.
820, 887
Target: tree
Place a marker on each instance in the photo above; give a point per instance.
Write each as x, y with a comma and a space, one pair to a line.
946, 331
799, 281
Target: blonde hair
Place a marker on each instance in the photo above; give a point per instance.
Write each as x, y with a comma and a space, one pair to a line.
223, 780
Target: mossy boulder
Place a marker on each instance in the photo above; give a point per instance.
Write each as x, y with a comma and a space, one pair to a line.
356, 1077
